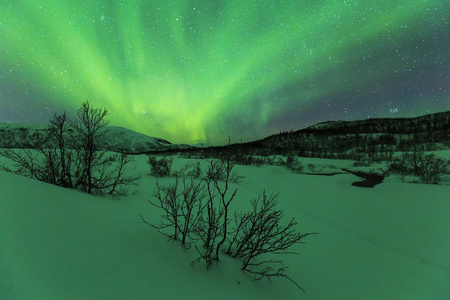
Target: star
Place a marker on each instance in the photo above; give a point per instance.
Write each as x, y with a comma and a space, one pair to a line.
237, 69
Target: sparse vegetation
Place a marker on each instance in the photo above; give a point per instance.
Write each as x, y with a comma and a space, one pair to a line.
196, 207
195, 171
160, 167
212, 227
362, 161
260, 232
312, 167
198, 210
75, 161
182, 206
428, 167
366, 141
293, 163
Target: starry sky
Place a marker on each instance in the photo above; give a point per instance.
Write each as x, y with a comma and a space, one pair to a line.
200, 71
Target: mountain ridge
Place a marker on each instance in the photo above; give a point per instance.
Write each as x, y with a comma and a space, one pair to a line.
374, 139
118, 139
400, 134
431, 131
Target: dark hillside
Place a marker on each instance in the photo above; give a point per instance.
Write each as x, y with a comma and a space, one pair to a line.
374, 139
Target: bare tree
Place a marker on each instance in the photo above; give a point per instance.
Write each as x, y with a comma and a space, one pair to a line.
26, 163
111, 177
161, 167
168, 201
181, 208
208, 228
213, 226
77, 164
261, 232
293, 163
193, 195
428, 167
61, 156
258, 232
91, 133
51, 164
227, 167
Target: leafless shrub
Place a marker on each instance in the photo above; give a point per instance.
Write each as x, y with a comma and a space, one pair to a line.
202, 209
362, 161
161, 167
432, 169
26, 163
189, 170
259, 232
75, 161
212, 228
195, 171
293, 163
247, 159
312, 167
110, 176
428, 167
61, 155
91, 133
182, 208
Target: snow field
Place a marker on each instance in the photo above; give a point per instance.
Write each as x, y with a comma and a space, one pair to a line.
387, 242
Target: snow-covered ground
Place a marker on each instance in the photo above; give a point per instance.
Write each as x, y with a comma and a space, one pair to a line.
387, 242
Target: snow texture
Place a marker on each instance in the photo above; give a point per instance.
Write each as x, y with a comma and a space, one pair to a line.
387, 242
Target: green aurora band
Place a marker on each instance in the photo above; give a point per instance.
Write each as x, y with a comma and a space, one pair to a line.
196, 71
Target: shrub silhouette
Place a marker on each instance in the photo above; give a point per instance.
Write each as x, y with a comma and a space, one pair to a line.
261, 232
75, 160
161, 167
182, 206
198, 210
428, 167
293, 163
212, 226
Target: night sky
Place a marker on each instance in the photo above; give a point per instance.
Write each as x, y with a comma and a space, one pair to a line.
200, 71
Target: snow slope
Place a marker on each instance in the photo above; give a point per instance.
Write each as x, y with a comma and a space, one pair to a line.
128, 140
387, 242
18, 135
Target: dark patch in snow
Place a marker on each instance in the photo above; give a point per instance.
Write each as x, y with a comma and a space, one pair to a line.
370, 179
323, 174
366, 183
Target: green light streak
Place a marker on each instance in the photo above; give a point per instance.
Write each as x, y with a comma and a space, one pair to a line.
179, 69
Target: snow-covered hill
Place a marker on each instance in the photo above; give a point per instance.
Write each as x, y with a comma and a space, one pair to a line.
429, 132
123, 139
119, 139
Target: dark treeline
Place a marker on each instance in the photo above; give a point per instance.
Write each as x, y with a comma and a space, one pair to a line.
438, 122
372, 139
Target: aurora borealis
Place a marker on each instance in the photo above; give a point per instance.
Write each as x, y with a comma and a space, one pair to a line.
200, 71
